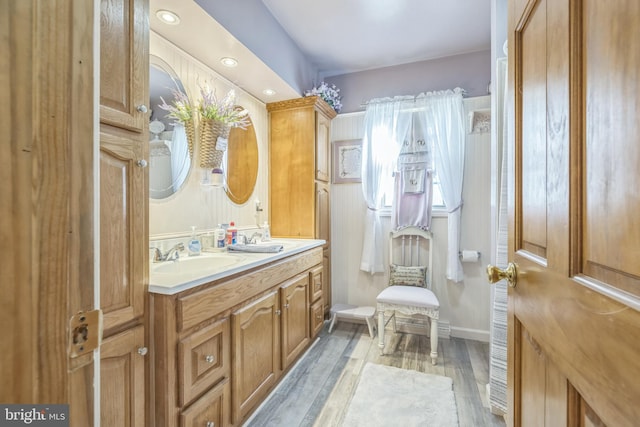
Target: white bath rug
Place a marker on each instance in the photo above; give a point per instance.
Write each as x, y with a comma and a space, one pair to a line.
389, 396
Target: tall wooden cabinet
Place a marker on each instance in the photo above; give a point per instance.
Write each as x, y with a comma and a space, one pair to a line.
124, 95
299, 174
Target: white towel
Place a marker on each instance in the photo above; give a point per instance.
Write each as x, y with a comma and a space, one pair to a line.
413, 180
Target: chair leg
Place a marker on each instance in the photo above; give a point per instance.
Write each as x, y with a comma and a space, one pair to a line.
381, 331
434, 341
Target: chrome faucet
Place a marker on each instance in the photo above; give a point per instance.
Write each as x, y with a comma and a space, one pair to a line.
172, 254
255, 237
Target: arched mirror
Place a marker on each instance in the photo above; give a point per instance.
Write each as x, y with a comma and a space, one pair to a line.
169, 158
242, 163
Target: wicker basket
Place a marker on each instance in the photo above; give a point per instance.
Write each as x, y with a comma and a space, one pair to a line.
211, 158
190, 130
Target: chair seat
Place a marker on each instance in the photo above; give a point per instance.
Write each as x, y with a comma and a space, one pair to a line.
409, 296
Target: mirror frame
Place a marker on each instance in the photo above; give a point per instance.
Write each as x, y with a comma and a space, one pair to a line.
161, 64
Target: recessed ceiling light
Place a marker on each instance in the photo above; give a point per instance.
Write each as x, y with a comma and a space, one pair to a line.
168, 17
229, 62
269, 92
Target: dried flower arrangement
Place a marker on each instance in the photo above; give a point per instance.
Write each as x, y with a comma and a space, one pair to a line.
330, 93
223, 110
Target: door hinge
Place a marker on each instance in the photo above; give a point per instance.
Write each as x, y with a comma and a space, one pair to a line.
85, 332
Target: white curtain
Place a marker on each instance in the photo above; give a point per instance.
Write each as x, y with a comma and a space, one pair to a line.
387, 123
180, 160
444, 115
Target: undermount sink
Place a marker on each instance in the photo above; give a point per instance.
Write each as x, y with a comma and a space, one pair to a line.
203, 262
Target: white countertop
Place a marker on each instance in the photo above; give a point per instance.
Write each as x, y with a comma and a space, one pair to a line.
172, 277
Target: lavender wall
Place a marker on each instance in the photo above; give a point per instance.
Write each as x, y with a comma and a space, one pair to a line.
471, 71
254, 26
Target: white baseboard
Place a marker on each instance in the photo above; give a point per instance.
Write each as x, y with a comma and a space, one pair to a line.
470, 334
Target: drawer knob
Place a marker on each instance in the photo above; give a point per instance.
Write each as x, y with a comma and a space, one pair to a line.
211, 424
142, 351
142, 163
142, 108
278, 312
209, 358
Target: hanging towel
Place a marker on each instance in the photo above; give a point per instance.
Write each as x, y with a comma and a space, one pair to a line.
412, 200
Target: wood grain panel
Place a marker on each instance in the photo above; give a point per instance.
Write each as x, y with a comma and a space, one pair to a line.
610, 178
203, 360
212, 407
567, 316
295, 318
533, 373
323, 148
316, 283
124, 63
292, 172
47, 74
533, 137
256, 353
323, 211
122, 378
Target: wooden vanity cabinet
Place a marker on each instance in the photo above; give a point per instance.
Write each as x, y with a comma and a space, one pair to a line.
124, 198
219, 349
300, 171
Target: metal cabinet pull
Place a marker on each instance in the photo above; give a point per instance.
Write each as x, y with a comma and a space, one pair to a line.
209, 358
142, 108
142, 163
142, 351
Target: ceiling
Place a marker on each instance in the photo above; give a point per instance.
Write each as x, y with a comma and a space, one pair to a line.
345, 36
338, 36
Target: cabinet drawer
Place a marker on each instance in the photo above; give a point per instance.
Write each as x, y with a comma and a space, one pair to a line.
317, 276
203, 360
317, 317
211, 410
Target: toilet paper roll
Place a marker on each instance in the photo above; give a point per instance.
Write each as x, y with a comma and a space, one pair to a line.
470, 256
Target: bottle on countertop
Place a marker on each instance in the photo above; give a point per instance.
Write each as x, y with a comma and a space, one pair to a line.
220, 237
266, 232
195, 247
232, 234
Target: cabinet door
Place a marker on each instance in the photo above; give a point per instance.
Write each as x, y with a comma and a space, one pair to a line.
323, 148
122, 390
326, 283
316, 283
211, 410
316, 317
256, 353
124, 63
295, 315
323, 211
123, 229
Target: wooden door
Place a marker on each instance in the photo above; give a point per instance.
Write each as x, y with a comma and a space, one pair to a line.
256, 353
574, 325
323, 147
46, 202
295, 317
124, 148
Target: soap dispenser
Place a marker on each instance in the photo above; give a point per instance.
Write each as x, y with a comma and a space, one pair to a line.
195, 247
266, 232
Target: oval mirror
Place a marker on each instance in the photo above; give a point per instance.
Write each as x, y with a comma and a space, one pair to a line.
169, 158
242, 163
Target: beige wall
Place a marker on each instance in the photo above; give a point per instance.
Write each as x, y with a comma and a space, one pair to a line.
194, 204
465, 306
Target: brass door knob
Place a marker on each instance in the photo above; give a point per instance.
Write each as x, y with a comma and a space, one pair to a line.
495, 274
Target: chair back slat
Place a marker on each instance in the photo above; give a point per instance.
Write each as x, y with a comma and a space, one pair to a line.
411, 243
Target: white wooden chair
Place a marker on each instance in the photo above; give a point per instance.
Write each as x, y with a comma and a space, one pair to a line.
410, 280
